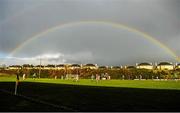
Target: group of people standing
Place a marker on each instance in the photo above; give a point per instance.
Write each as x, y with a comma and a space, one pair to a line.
76, 78
103, 76
24, 76
97, 77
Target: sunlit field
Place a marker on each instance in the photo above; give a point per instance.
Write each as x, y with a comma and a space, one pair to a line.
150, 84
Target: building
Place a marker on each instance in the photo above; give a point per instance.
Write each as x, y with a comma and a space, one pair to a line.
165, 66
15, 67
27, 66
90, 66
39, 67
75, 66
103, 67
61, 67
130, 67
144, 65
115, 67
49, 67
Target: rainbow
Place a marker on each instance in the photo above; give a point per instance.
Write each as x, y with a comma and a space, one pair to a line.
112, 24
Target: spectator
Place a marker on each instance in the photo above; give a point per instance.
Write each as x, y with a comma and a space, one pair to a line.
77, 78
157, 77
24, 76
97, 77
34, 76
140, 77
62, 77
92, 77
123, 77
109, 77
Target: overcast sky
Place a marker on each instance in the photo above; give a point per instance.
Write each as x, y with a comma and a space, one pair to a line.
91, 42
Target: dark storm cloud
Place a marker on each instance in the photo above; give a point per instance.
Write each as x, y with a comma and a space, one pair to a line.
159, 18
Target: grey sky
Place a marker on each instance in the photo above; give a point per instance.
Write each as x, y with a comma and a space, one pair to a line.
96, 43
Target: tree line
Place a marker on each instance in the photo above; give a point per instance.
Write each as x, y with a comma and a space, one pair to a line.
129, 74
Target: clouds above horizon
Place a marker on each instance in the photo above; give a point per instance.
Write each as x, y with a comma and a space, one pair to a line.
103, 44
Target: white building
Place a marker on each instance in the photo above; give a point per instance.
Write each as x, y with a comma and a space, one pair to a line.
103, 67
49, 67
27, 66
38, 67
90, 66
144, 65
165, 66
15, 67
130, 67
61, 67
75, 66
